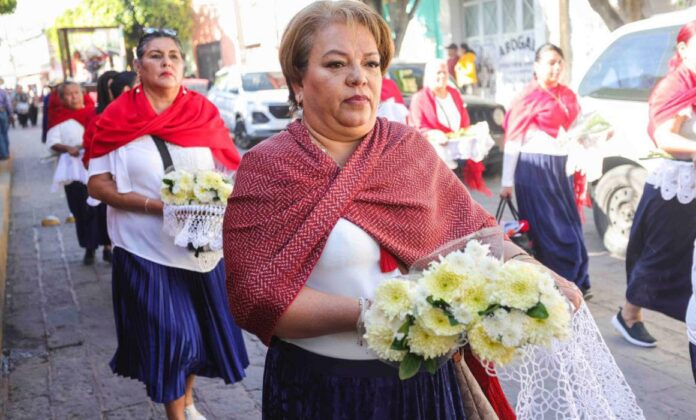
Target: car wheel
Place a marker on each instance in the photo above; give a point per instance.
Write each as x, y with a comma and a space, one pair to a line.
615, 200
241, 138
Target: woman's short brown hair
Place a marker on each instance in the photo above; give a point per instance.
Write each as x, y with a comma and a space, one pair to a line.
298, 37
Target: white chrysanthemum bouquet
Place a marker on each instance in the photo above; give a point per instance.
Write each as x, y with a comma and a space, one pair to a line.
467, 296
194, 207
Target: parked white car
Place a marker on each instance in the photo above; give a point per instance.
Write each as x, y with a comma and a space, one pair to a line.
617, 84
252, 102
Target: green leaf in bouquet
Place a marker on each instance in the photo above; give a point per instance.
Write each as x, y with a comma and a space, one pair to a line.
168, 182
400, 344
409, 366
657, 154
430, 365
489, 311
538, 311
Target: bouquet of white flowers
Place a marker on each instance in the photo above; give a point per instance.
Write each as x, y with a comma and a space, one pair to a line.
466, 296
194, 208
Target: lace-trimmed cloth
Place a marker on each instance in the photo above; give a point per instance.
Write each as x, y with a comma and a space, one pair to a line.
675, 179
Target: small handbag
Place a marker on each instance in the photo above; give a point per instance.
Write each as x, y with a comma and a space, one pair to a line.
517, 229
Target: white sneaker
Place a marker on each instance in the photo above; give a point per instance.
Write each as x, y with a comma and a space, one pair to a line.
190, 413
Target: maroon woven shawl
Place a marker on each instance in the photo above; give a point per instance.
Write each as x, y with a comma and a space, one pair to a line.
289, 194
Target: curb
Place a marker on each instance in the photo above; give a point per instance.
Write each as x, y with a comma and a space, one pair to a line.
5, 195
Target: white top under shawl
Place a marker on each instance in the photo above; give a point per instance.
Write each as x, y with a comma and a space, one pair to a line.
348, 266
534, 141
69, 168
137, 167
447, 112
68, 133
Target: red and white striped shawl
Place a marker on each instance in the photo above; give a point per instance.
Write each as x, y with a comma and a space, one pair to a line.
289, 194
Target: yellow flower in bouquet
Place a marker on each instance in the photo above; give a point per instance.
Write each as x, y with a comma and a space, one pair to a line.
184, 184
487, 348
556, 326
380, 334
442, 283
519, 285
224, 191
437, 321
426, 343
393, 297
474, 295
209, 179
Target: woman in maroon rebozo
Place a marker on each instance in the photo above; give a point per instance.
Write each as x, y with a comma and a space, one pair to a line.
172, 317
437, 110
325, 211
660, 247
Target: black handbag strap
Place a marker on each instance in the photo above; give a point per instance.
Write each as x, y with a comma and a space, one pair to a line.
164, 154
501, 209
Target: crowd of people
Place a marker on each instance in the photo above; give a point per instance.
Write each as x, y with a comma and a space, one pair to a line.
326, 210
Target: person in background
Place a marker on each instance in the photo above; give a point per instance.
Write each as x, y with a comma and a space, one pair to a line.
465, 69
70, 112
6, 115
21, 105
34, 103
173, 322
438, 110
452, 58
660, 245
123, 82
104, 96
534, 163
391, 102
307, 240
45, 101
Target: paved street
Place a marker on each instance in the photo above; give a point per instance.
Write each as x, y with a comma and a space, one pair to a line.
59, 330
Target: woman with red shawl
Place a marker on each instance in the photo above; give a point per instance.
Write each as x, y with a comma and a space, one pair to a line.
660, 247
324, 212
70, 111
536, 151
437, 110
172, 318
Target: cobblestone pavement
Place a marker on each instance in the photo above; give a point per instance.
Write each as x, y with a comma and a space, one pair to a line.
59, 330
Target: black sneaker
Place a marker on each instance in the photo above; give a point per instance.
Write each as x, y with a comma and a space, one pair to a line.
89, 257
107, 256
586, 293
637, 334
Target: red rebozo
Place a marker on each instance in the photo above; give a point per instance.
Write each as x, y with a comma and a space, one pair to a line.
676, 91
289, 195
390, 90
423, 116
190, 121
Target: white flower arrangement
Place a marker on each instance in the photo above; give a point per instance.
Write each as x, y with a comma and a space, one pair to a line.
194, 208
467, 296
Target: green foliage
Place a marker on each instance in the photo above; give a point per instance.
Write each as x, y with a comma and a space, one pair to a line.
132, 15
7, 6
409, 366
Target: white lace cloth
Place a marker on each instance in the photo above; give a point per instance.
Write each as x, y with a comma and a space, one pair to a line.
199, 226
575, 379
675, 179
68, 169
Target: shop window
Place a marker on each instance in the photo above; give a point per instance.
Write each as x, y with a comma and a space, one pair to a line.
471, 20
629, 68
490, 17
509, 16
528, 14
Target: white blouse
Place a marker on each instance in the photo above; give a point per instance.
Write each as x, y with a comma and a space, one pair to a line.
447, 112
68, 133
137, 167
348, 266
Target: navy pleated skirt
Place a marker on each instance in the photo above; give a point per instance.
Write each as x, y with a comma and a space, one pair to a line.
90, 222
660, 254
172, 323
546, 200
299, 384
692, 353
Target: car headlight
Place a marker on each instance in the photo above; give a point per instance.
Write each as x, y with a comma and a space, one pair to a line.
498, 116
259, 118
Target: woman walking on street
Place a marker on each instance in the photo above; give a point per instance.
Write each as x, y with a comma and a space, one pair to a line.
70, 112
438, 110
534, 164
324, 212
660, 246
172, 318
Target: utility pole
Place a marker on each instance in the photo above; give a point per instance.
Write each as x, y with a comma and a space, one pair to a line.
564, 37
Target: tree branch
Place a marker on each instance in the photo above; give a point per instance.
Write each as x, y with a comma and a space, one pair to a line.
610, 16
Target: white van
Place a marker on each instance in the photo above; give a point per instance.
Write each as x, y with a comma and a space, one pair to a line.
617, 84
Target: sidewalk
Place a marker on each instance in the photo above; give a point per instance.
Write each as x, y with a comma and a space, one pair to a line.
59, 330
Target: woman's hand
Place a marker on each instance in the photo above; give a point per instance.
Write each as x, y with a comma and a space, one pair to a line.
569, 290
506, 192
73, 151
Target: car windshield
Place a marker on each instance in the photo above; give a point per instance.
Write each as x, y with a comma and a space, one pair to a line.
263, 81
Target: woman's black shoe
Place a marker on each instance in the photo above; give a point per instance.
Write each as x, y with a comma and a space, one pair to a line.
89, 257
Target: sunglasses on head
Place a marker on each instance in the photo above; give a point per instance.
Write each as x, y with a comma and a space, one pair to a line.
158, 31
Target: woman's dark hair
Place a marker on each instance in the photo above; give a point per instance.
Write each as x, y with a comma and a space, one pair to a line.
123, 79
103, 96
465, 47
547, 47
151, 34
